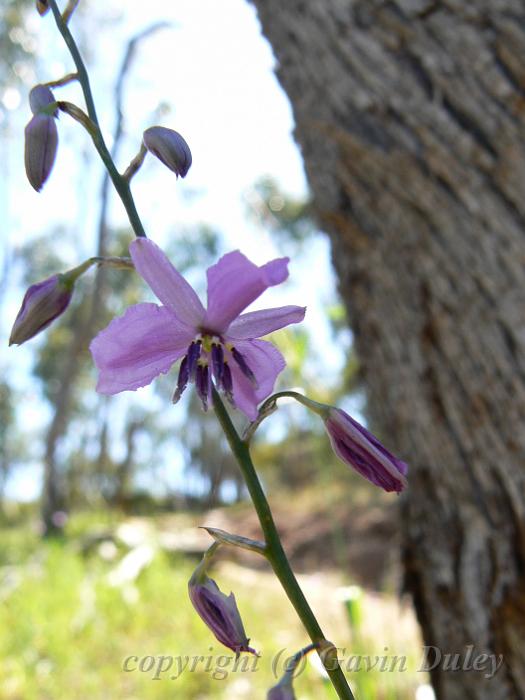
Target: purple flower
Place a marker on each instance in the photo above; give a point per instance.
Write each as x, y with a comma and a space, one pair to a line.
41, 142
169, 147
42, 303
361, 450
216, 344
219, 612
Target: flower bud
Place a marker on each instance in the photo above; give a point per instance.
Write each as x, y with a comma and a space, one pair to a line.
43, 302
352, 443
169, 147
41, 141
219, 612
358, 448
282, 691
40, 98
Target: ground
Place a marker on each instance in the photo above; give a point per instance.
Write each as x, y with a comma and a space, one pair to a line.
74, 610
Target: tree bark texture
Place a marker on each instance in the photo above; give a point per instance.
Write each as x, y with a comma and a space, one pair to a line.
411, 119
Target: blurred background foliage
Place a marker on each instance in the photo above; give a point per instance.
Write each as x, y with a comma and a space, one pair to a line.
17, 45
108, 579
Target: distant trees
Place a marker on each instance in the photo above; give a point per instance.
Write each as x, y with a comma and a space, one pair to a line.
97, 450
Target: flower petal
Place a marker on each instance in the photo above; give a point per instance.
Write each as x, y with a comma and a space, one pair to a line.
266, 363
234, 282
138, 346
167, 283
255, 324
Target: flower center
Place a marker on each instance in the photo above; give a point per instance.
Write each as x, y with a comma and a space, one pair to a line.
208, 359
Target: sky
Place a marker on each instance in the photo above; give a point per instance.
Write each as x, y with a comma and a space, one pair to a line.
209, 75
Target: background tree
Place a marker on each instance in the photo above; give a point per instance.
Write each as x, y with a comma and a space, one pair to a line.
85, 323
410, 115
16, 49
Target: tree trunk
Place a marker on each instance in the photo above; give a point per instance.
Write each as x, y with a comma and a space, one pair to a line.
411, 119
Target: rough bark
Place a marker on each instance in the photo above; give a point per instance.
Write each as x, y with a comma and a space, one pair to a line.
411, 118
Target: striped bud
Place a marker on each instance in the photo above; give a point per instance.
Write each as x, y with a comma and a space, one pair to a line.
42, 303
169, 147
41, 142
361, 450
219, 612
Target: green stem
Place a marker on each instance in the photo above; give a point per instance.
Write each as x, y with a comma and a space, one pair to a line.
275, 552
270, 405
120, 183
319, 408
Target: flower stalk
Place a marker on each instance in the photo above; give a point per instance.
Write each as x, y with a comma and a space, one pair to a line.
65, 80
79, 116
223, 537
135, 164
121, 184
284, 688
276, 554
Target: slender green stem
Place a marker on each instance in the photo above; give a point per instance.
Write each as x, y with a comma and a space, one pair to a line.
270, 405
121, 184
275, 552
320, 408
298, 657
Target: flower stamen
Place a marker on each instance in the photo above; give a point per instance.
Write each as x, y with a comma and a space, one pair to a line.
227, 382
243, 366
194, 352
202, 383
182, 381
217, 361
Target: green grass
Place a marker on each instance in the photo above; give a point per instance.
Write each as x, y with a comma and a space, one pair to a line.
67, 625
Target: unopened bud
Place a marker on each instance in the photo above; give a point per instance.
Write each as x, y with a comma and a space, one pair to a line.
41, 142
40, 100
169, 147
218, 611
42, 303
357, 447
282, 691
45, 301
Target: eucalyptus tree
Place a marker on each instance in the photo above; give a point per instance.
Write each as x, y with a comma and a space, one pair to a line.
410, 119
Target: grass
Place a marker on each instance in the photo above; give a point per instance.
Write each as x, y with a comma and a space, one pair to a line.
72, 614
